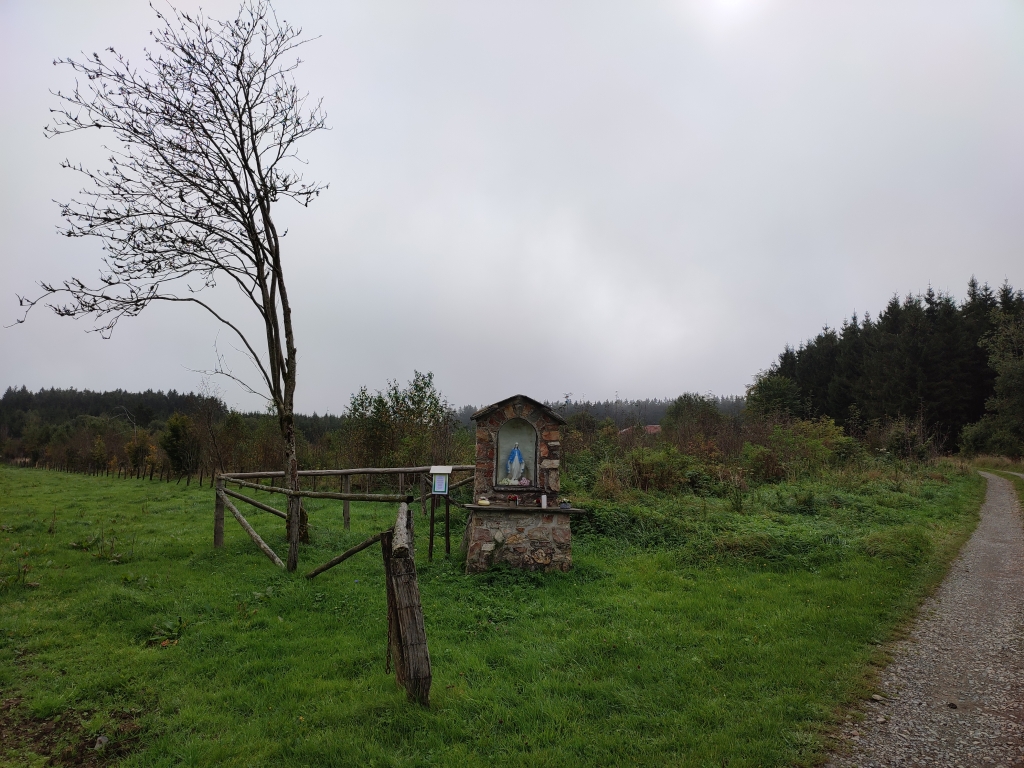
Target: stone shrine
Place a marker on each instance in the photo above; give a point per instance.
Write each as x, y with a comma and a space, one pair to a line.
516, 516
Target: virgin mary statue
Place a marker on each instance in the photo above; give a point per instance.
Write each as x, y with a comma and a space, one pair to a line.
515, 464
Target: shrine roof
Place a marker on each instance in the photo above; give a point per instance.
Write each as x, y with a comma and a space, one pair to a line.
486, 411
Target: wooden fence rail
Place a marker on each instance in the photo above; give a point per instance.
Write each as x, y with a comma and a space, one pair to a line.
257, 504
390, 497
242, 480
252, 533
342, 472
343, 556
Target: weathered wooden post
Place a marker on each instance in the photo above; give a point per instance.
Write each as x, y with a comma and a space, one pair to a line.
218, 514
447, 524
430, 539
407, 637
345, 510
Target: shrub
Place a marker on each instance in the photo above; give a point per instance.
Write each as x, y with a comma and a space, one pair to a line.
762, 463
735, 494
607, 485
701, 483
693, 422
181, 443
661, 470
579, 471
799, 448
901, 438
773, 394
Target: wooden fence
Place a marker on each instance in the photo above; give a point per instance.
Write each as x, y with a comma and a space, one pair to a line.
407, 478
407, 639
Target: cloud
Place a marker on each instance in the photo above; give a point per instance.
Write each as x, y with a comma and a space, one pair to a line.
645, 198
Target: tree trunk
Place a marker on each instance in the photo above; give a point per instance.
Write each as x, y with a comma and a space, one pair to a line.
218, 516
291, 471
346, 506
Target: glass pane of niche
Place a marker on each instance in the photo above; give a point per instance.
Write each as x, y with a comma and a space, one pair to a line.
517, 453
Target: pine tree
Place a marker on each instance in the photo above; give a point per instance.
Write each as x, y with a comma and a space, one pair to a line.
919, 359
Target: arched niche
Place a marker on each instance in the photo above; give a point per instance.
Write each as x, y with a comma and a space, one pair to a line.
510, 433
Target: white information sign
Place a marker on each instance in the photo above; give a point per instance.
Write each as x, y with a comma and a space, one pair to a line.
440, 480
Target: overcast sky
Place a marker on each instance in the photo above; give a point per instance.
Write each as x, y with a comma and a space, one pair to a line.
631, 198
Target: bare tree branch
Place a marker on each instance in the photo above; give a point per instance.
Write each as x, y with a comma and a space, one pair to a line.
205, 146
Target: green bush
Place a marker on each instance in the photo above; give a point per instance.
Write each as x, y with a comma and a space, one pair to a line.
181, 443
579, 471
762, 464
702, 483
806, 447
799, 448
664, 470
773, 394
607, 484
658, 470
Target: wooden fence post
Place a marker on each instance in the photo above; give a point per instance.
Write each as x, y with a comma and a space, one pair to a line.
395, 658
447, 525
407, 637
430, 545
347, 488
218, 515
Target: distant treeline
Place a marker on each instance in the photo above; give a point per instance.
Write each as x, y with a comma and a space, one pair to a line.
57, 406
53, 407
629, 413
185, 435
624, 413
928, 375
925, 357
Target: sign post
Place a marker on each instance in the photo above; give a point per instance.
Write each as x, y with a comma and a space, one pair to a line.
439, 487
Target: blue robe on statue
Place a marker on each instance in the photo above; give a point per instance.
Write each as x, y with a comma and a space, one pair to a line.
515, 464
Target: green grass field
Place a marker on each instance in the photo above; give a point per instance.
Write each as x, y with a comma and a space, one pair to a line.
714, 638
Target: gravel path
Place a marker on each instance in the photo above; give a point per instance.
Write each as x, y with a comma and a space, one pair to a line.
954, 692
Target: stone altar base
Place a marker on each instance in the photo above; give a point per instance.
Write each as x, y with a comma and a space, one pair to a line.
529, 538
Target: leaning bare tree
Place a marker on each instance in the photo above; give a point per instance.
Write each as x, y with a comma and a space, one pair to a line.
206, 146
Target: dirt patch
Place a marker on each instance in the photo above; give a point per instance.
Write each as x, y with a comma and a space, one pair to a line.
64, 739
